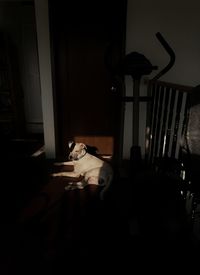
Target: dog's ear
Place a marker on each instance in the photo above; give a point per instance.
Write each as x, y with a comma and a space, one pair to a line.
83, 146
70, 144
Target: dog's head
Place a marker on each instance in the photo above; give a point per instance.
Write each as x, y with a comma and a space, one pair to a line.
77, 150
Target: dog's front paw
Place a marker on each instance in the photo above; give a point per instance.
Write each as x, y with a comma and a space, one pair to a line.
59, 174
53, 175
63, 163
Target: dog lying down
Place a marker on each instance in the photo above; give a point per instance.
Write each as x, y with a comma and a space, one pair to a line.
92, 169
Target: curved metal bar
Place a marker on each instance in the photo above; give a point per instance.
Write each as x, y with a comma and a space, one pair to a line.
169, 51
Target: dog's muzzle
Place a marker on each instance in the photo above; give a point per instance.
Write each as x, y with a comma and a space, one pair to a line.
72, 157
77, 156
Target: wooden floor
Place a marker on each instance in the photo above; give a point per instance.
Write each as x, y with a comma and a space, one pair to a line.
47, 230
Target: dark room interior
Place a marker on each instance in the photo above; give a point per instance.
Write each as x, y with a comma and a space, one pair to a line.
150, 216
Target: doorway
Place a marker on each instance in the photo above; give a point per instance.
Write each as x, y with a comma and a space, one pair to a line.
87, 102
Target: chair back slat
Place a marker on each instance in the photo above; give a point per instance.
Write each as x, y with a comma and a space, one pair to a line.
164, 121
168, 118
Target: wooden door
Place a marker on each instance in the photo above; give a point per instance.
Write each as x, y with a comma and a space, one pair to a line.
86, 105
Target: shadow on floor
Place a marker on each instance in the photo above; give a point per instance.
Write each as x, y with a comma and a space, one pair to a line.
46, 230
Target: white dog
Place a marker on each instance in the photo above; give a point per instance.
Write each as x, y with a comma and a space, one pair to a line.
93, 169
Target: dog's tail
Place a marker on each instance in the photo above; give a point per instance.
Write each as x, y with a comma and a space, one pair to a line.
106, 187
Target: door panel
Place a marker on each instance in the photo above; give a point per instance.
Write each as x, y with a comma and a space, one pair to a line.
81, 32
